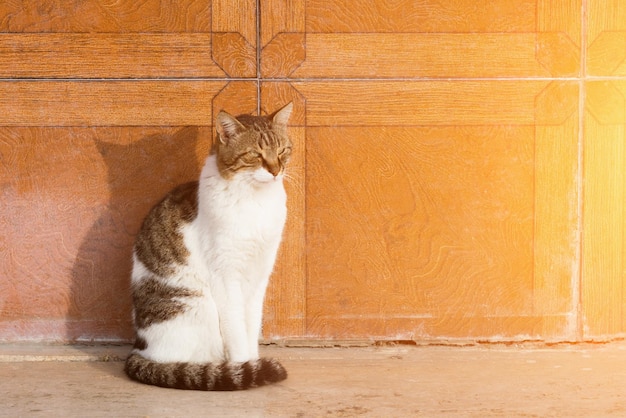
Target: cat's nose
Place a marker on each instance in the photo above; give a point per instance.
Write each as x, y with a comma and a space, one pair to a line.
274, 169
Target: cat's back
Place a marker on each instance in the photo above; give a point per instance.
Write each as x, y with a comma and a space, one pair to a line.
160, 242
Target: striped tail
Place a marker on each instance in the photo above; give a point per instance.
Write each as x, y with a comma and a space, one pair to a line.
209, 376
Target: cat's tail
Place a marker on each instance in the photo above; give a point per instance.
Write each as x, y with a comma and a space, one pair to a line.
209, 376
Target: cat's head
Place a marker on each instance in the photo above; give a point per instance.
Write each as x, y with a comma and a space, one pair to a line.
256, 147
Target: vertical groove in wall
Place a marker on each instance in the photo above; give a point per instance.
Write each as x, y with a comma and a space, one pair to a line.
577, 276
258, 57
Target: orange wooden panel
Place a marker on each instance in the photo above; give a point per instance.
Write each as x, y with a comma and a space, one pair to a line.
283, 55
37, 16
438, 55
279, 16
427, 221
234, 55
234, 28
331, 103
469, 224
281, 36
89, 55
458, 16
125, 39
72, 200
557, 209
606, 38
120, 103
237, 16
378, 39
604, 254
283, 92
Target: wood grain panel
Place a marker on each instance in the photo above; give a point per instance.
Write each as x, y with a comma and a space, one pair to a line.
419, 207
560, 16
279, 16
106, 103
456, 225
234, 55
237, 16
557, 239
457, 16
37, 16
282, 37
234, 28
418, 223
237, 98
283, 55
606, 38
82, 55
283, 92
425, 102
604, 274
73, 199
120, 39
379, 39
435, 55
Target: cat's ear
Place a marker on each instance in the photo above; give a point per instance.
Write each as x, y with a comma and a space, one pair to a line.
281, 116
227, 126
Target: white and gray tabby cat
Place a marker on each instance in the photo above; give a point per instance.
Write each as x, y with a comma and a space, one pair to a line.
202, 261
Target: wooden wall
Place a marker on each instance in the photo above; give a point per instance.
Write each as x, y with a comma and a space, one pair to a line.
458, 174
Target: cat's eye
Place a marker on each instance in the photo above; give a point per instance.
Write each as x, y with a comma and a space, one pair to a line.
251, 157
285, 153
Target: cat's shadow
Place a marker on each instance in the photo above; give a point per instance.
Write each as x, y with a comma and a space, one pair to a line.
139, 173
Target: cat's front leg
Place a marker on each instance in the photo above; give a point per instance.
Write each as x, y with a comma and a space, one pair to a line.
233, 323
254, 320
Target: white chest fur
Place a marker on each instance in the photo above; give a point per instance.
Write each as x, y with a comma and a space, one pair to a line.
240, 221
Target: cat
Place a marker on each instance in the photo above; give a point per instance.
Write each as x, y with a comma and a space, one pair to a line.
202, 261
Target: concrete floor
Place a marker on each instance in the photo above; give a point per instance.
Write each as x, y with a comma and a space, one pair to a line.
397, 381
